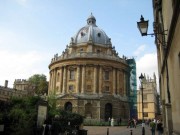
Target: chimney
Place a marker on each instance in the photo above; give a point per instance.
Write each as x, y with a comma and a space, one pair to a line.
6, 84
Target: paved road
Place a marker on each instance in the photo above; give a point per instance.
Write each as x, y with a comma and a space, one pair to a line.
121, 130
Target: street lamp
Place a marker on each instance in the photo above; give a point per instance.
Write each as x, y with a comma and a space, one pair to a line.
143, 27
141, 77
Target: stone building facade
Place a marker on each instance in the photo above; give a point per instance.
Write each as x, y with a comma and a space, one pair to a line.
167, 31
89, 77
150, 99
22, 88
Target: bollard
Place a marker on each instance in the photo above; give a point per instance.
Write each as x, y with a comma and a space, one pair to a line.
131, 132
107, 131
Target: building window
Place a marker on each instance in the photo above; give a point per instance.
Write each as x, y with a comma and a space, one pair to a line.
145, 96
81, 49
72, 75
71, 87
99, 34
88, 87
145, 114
89, 74
145, 105
106, 75
106, 88
82, 34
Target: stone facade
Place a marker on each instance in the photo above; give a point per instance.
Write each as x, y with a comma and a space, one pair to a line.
150, 99
20, 90
89, 77
167, 29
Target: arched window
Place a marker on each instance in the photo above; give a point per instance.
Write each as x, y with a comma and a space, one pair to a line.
68, 106
99, 34
72, 75
106, 75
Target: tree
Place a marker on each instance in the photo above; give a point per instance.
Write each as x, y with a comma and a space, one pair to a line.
40, 83
21, 116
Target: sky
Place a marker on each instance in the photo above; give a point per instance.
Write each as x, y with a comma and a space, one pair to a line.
32, 31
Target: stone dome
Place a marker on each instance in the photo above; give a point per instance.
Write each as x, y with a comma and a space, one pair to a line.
91, 33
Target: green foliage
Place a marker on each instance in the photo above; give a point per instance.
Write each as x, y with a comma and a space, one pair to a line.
40, 83
21, 116
67, 121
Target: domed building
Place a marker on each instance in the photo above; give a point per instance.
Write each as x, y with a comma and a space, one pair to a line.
89, 77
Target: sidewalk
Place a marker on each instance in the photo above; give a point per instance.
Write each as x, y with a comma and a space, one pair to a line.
117, 130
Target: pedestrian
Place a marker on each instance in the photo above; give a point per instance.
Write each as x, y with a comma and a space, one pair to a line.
112, 122
129, 123
159, 127
119, 121
134, 120
153, 127
109, 120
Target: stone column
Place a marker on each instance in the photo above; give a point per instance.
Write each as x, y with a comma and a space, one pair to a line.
61, 80
124, 78
78, 80
55, 80
114, 81
83, 78
118, 83
100, 80
95, 80
50, 82
64, 80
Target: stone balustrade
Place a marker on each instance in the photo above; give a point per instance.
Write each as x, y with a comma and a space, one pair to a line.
87, 55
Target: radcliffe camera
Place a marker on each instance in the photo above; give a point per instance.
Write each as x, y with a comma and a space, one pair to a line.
89, 67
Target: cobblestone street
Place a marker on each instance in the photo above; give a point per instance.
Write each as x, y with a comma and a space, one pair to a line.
121, 130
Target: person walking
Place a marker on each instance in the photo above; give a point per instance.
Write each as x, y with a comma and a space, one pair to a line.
153, 127
134, 120
159, 127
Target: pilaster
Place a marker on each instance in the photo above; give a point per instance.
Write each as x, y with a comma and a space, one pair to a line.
100, 80
64, 79
83, 78
114, 81
61, 80
78, 80
95, 80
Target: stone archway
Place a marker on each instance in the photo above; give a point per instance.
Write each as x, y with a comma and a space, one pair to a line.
88, 110
108, 111
68, 106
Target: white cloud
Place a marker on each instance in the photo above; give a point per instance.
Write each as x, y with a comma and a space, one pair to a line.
147, 64
139, 50
21, 65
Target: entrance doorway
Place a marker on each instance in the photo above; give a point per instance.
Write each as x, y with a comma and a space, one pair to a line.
108, 111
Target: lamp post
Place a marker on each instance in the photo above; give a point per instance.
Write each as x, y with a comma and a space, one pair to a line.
143, 27
141, 77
